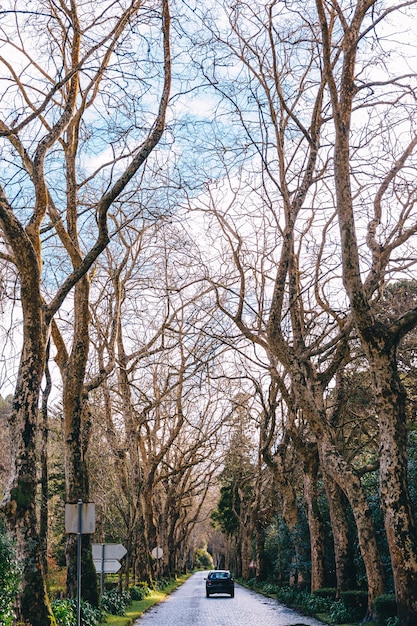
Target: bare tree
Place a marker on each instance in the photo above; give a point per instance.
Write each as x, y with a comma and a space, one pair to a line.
390, 226
58, 108
158, 406
306, 78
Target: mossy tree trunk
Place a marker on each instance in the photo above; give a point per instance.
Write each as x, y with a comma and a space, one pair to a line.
77, 426
343, 552
315, 521
379, 340
19, 502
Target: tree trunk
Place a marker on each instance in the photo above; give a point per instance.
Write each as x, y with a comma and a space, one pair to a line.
261, 570
19, 502
314, 518
378, 340
77, 426
310, 398
393, 484
43, 516
343, 554
349, 482
246, 550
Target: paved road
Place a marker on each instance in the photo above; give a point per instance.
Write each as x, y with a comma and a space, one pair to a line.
188, 606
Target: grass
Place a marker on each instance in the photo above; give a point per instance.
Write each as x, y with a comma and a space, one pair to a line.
138, 607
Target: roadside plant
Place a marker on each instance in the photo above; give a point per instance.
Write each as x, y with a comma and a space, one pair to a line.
64, 612
114, 602
339, 614
9, 578
139, 591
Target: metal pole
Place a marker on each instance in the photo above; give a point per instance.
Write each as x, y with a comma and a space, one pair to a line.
103, 547
80, 513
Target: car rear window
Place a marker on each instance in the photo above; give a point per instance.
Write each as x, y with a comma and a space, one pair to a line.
219, 575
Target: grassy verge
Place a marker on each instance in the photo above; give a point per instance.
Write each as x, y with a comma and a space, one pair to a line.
138, 607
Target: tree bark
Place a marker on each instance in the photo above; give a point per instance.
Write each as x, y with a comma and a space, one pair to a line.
19, 501
395, 500
343, 554
379, 341
349, 482
314, 518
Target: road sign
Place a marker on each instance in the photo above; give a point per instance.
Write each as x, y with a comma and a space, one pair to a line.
80, 517
111, 551
106, 557
157, 553
110, 566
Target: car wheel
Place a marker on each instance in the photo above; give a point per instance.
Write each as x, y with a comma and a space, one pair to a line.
207, 594
232, 595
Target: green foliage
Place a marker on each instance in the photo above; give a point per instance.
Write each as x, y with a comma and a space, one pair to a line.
65, 613
237, 485
226, 516
318, 604
115, 602
139, 591
204, 559
280, 549
339, 614
385, 607
90, 615
290, 595
269, 588
326, 592
9, 578
310, 603
356, 602
161, 584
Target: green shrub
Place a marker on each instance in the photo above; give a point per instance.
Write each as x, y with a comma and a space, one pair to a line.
326, 592
291, 595
139, 591
64, 612
114, 602
90, 615
339, 614
356, 602
9, 578
203, 559
269, 587
161, 584
385, 607
287, 595
317, 604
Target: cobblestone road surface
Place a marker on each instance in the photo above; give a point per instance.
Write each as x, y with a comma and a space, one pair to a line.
188, 606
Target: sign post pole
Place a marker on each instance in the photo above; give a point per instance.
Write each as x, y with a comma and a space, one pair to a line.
103, 548
80, 512
79, 520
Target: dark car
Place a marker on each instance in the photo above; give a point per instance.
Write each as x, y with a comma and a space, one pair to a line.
220, 581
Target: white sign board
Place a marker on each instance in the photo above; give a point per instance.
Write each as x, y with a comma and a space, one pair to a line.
157, 553
107, 567
88, 518
108, 551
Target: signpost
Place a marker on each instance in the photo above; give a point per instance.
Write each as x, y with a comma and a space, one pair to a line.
157, 554
79, 520
106, 558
